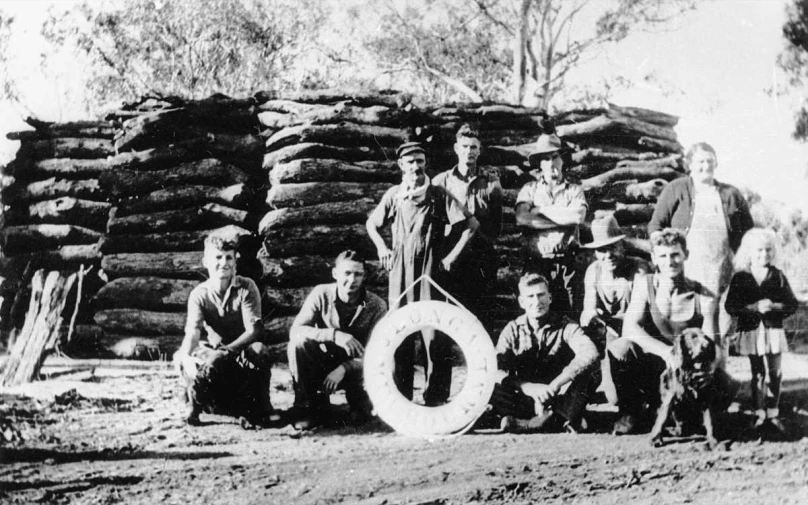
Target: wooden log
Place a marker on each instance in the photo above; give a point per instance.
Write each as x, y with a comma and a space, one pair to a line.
347, 212
315, 151
237, 196
192, 218
593, 154
41, 328
605, 125
502, 133
181, 241
67, 148
659, 144
300, 271
629, 191
24, 239
646, 115
144, 348
209, 172
310, 193
289, 107
140, 322
672, 160
77, 129
149, 293
318, 239
379, 115
284, 301
181, 265
342, 134
67, 257
389, 98
488, 112
637, 172
276, 329
313, 170
51, 188
67, 210
633, 213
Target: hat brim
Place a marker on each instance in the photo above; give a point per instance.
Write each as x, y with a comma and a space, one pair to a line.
602, 243
542, 153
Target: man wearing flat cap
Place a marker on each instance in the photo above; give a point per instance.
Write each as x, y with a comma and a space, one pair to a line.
480, 192
416, 212
549, 211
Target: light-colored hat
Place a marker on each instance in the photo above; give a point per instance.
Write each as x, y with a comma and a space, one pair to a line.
409, 148
549, 143
605, 231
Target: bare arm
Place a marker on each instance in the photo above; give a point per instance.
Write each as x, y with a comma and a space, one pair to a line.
385, 254
632, 328
590, 296
470, 228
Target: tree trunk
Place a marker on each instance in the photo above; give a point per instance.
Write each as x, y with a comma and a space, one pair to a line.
343, 134
311, 193
24, 239
604, 125
41, 327
167, 242
317, 170
636, 172
299, 271
331, 213
314, 151
140, 322
210, 172
148, 293
318, 240
67, 148
208, 216
67, 210
237, 196
184, 265
48, 189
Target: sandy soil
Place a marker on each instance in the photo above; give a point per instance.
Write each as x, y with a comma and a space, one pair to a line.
117, 436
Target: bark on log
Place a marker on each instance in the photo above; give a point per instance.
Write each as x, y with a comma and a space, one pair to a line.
348, 212
48, 189
237, 196
312, 150
311, 193
672, 160
208, 216
181, 265
289, 107
67, 148
140, 322
637, 172
299, 271
149, 293
379, 115
182, 241
592, 154
284, 302
488, 112
646, 115
318, 240
210, 172
312, 170
24, 239
633, 213
67, 257
604, 125
659, 144
41, 328
68, 210
629, 191
141, 347
393, 99
77, 129
276, 329
342, 134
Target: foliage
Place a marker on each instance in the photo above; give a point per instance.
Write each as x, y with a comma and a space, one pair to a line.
8, 89
192, 49
794, 60
514, 50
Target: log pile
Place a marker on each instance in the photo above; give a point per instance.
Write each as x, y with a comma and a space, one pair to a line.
292, 178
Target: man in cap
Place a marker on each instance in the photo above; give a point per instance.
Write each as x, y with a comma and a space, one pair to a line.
416, 212
550, 211
479, 191
327, 340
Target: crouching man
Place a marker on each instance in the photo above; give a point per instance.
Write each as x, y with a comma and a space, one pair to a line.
548, 362
228, 371
327, 341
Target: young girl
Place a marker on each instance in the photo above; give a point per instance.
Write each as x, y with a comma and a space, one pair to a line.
760, 298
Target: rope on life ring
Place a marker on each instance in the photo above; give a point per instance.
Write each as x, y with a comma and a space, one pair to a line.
394, 408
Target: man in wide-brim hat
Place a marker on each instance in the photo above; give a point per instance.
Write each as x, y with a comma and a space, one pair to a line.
550, 211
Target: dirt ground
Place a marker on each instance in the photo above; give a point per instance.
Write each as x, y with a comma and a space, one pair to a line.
117, 436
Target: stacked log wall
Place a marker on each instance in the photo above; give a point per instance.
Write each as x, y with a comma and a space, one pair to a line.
293, 180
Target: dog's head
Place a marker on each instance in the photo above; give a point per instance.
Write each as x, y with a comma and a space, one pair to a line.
693, 350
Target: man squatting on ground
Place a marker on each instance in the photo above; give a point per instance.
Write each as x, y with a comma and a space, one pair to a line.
327, 340
228, 371
662, 305
416, 212
472, 277
550, 211
548, 363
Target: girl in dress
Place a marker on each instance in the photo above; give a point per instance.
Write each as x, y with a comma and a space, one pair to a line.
760, 298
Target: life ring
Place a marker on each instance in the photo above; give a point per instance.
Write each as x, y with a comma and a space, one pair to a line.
379, 366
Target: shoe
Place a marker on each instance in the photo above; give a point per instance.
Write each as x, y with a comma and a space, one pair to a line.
626, 425
777, 424
192, 419
759, 423
511, 424
270, 419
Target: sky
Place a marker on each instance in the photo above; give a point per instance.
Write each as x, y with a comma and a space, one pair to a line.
712, 68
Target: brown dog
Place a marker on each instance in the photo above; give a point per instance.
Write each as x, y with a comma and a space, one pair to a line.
693, 387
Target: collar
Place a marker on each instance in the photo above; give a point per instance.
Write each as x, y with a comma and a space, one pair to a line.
551, 319
220, 301
334, 296
479, 173
416, 194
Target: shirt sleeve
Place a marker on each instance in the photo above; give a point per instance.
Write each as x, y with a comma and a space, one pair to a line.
526, 193
505, 346
251, 305
495, 208
195, 321
309, 321
663, 210
789, 301
586, 354
383, 213
577, 197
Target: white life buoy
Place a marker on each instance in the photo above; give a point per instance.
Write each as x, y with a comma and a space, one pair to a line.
379, 367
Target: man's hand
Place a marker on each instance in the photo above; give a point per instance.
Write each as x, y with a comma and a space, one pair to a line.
352, 346
333, 380
447, 262
385, 257
541, 393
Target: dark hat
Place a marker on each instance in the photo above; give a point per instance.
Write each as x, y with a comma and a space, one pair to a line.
409, 148
549, 143
605, 231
